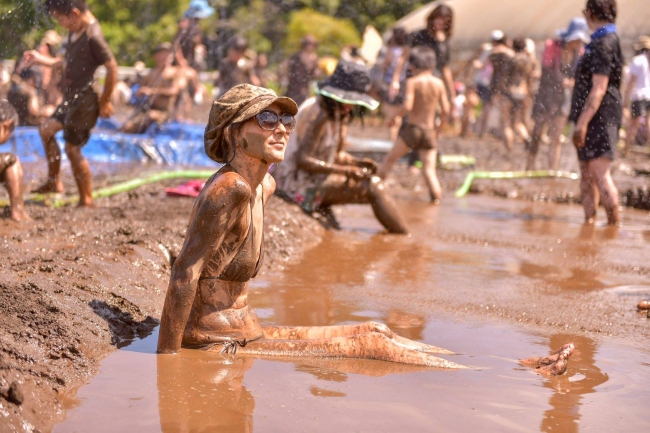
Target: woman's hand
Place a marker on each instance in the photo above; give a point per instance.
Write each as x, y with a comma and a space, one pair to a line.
579, 135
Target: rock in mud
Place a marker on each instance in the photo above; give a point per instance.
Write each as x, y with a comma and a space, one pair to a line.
643, 305
13, 394
554, 365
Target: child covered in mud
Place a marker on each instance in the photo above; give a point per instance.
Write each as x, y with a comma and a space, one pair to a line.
424, 92
77, 114
11, 172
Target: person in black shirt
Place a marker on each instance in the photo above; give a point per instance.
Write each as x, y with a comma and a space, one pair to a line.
435, 36
596, 109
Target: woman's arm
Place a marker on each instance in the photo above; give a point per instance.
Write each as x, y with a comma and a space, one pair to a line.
399, 68
449, 82
34, 57
594, 99
225, 203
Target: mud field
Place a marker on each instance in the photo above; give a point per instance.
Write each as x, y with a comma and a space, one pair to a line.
75, 285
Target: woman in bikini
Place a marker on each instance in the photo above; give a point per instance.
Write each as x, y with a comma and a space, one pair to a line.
207, 301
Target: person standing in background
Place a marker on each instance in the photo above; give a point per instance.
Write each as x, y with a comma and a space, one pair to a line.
302, 69
637, 92
550, 106
596, 109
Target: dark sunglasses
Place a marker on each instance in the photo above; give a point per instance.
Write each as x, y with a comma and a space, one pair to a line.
269, 120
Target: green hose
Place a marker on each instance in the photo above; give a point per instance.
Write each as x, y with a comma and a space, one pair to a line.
120, 187
464, 189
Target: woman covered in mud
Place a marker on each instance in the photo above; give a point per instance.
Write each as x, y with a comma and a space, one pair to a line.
317, 172
207, 301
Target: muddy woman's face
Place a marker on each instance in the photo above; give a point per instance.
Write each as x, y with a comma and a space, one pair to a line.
258, 143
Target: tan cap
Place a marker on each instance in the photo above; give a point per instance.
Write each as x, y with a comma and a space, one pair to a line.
51, 38
238, 104
163, 46
643, 43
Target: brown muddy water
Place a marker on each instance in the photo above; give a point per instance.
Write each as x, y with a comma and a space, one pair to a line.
490, 279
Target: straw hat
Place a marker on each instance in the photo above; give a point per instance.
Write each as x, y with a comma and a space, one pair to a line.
643, 43
238, 104
51, 38
348, 84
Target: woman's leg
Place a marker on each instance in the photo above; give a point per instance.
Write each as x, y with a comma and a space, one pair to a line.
338, 189
429, 161
554, 132
601, 174
398, 151
325, 332
631, 132
533, 146
588, 192
370, 345
506, 121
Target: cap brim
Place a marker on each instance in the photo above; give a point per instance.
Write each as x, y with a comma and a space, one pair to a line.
287, 105
348, 97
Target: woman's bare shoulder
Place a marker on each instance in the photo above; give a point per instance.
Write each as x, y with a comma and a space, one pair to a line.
226, 188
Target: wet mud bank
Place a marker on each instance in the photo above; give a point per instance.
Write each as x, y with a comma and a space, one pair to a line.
75, 284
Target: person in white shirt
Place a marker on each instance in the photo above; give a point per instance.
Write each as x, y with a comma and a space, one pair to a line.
637, 92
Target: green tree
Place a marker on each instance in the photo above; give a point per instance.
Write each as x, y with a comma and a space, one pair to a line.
332, 33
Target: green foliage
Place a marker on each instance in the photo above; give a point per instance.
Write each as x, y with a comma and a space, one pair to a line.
18, 19
332, 33
250, 22
133, 27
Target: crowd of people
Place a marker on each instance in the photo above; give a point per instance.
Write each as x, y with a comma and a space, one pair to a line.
251, 128
578, 79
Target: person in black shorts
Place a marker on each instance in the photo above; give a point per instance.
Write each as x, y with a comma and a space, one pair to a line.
596, 109
424, 93
77, 115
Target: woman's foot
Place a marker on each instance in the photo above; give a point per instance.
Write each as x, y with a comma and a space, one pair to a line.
49, 187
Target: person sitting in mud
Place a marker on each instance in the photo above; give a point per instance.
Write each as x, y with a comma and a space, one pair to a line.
317, 172
24, 97
158, 91
206, 305
424, 92
11, 172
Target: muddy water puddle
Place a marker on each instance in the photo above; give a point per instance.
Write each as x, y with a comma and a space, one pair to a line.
491, 280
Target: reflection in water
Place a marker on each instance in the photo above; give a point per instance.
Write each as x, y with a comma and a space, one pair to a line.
199, 392
564, 414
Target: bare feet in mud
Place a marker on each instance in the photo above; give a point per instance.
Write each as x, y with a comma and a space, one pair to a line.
49, 187
554, 364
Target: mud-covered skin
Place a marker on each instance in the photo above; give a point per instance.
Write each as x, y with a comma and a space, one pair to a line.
554, 364
201, 309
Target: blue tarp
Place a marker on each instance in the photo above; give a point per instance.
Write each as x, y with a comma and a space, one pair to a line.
170, 144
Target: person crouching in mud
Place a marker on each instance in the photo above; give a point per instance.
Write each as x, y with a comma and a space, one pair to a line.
424, 92
206, 305
11, 172
317, 171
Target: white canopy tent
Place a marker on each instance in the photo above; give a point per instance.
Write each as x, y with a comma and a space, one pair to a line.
537, 19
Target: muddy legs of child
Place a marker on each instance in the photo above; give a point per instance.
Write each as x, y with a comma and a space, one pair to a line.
554, 364
48, 128
429, 161
374, 343
596, 183
81, 171
13, 179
